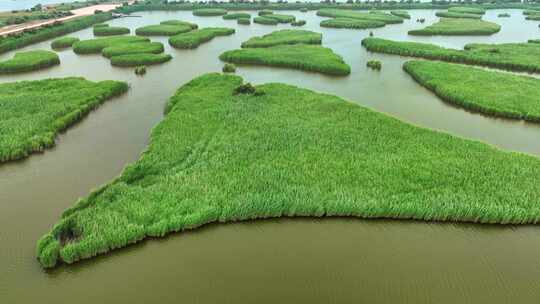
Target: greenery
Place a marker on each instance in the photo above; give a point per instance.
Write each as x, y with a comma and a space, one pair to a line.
305, 57
402, 14
95, 46
195, 38
503, 15
110, 30
284, 37
533, 17
509, 56
243, 21
467, 10
374, 64
349, 23
298, 23
265, 21
162, 30
282, 151
203, 12
29, 61
133, 48
229, 68
458, 26
281, 18
180, 23
382, 17
64, 42
137, 59
457, 15
235, 16
265, 12
32, 113
491, 93
140, 70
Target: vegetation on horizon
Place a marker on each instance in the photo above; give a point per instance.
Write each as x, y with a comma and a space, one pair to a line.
284, 37
458, 26
29, 61
270, 157
193, 39
349, 23
34, 112
64, 42
491, 93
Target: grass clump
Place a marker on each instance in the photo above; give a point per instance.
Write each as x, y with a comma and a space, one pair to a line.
305, 57
208, 12
64, 42
235, 16
298, 23
243, 21
467, 10
34, 112
339, 13
504, 15
492, 93
535, 17
95, 46
265, 21
284, 37
281, 18
29, 61
133, 48
110, 30
265, 12
349, 23
374, 65
179, 23
304, 10
458, 15
402, 14
229, 68
140, 70
162, 30
223, 157
133, 60
508, 56
195, 38
458, 26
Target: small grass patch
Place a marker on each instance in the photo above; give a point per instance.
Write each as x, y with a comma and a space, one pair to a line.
133, 48
235, 16
491, 93
374, 65
467, 10
504, 15
95, 46
208, 12
162, 30
402, 14
140, 70
305, 57
283, 151
229, 68
281, 18
339, 13
284, 37
32, 113
29, 61
265, 21
133, 60
458, 26
457, 15
110, 30
265, 12
349, 23
298, 23
64, 42
179, 23
195, 38
243, 21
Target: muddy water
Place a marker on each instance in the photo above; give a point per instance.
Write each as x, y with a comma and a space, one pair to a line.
300, 260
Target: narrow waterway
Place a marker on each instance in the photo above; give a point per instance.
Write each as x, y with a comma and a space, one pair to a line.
296, 260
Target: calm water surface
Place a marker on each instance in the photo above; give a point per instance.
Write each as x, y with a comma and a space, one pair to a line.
291, 260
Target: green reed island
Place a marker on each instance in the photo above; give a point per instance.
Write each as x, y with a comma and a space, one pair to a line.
197, 37
349, 23
29, 61
284, 37
458, 26
63, 43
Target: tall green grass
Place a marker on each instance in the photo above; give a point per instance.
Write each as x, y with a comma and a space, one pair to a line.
283, 151
64, 42
95, 46
204, 12
179, 22
133, 48
305, 57
458, 26
349, 23
162, 30
458, 15
111, 30
195, 38
467, 10
29, 61
508, 56
265, 12
265, 21
281, 18
243, 21
34, 112
284, 37
402, 14
235, 16
138, 59
338, 13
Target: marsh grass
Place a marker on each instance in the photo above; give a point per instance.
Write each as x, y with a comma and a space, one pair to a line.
34, 112
285, 152
179, 23
458, 15
265, 12
243, 21
305, 57
138, 59
140, 70
504, 15
229, 68
374, 65
95, 46
298, 23
458, 26
349, 23
281, 18
467, 10
162, 30
195, 38
402, 14
284, 37
133, 48
265, 21
209, 12
29, 61
235, 16
111, 30
339, 13
63, 43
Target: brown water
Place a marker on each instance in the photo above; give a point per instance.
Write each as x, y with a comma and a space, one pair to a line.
288, 260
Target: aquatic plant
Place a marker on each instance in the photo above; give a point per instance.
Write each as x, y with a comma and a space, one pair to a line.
339, 13
298, 23
140, 70
458, 26
243, 21
351, 23
281, 18
374, 65
402, 14
133, 60
235, 16
229, 68
284, 37
34, 112
533, 17
29, 61
314, 58
265, 12
467, 10
223, 157
133, 48
195, 38
304, 10
179, 22
265, 21
204, 12
95, 46
458, 15
162, 30
508, 56
64, 42
110, 30
503, 15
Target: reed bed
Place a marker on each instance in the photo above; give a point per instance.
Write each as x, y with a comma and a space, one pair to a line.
508, 56
243, 21
339, 13
63, 43
491, 93
314, 58
283, 151
140, 70
374, 65
111, 30
209, 12
402, 14
180, 22
133, 48
349, 23
467, 10
29, 61
281, 18
457, 15
138, 59
283, 37
235, 16
503, 15
229, 68
95, 46
195, 38
298, 23
533, 17
162, 30
265, 21
458, 26
265, 12
34, 112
